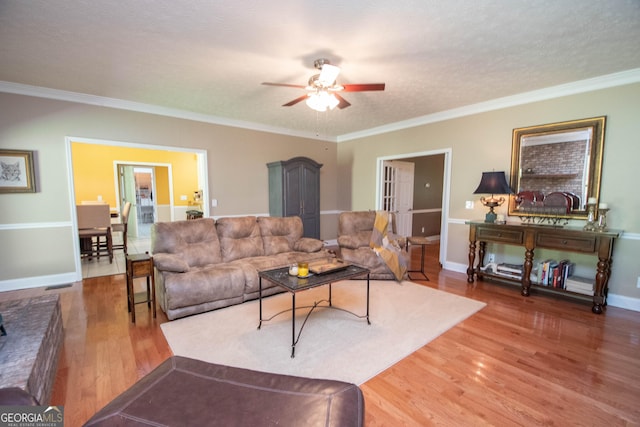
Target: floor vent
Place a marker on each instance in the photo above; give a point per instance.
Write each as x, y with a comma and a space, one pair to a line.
50, 288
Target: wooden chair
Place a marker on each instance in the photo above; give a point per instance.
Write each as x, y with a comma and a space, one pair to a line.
94, 221
121, 227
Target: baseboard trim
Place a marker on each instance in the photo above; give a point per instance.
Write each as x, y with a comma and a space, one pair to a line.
39, 281
621, 301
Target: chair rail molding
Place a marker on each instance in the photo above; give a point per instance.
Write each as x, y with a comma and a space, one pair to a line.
27, 225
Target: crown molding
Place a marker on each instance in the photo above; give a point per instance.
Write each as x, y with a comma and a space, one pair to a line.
581, 86
121, 104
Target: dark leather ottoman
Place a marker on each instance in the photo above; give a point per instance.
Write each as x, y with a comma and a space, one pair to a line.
188, 392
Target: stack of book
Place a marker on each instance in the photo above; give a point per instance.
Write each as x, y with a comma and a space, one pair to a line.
554, 273
512, 271
579, 285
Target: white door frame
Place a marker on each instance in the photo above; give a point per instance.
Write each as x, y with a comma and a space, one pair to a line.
150, 165
446, 190
203, 176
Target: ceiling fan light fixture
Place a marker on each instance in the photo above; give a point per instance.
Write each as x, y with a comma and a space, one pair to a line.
323, 90
322, 100
332, 101
328, 75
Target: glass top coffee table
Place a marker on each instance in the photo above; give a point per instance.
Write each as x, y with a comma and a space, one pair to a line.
294, 284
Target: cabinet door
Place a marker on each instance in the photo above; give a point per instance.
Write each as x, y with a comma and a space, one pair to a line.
310, 212
293, 191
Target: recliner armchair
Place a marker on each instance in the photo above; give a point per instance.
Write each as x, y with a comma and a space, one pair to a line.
354, 238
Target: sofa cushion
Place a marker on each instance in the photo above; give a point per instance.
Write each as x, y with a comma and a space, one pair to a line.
239, 238
279, 233
308, 244
196, 241
211, 283
251, 267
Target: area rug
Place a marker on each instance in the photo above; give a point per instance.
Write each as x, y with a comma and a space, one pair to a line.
333, 344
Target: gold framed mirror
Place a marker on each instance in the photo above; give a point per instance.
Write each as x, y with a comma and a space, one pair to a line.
556, 168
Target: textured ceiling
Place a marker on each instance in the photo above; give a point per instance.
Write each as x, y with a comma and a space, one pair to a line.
210, 57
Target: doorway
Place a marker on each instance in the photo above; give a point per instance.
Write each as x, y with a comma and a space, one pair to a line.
144, 184
137, 185
94, 174
430, 192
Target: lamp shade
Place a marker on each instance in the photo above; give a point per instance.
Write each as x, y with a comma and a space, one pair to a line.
493, 183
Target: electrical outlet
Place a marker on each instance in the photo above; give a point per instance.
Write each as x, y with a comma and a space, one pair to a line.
183, 197
423, 230
491, 257
214, 203
638, 282
468, 204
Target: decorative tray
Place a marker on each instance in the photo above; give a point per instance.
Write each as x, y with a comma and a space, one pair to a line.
327, 265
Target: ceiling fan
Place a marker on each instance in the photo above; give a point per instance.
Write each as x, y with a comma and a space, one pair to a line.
322, 90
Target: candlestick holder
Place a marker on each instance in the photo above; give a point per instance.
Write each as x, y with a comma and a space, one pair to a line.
602, 219
591, 218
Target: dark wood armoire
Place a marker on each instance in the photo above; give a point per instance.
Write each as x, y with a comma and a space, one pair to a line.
294, 190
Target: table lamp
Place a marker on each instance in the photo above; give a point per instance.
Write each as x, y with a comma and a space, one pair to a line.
492, 183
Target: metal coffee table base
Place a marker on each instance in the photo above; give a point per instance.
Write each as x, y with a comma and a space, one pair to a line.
323, 303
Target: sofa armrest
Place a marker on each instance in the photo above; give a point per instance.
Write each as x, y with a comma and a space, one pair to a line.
170, 262
308, 244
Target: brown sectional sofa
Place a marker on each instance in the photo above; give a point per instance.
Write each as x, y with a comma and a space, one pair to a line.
205, 264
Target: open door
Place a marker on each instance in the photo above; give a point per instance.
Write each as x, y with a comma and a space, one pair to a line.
127, 192
397, 193
145, 199
137, 185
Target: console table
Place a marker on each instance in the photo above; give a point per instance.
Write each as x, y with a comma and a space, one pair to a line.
531, 236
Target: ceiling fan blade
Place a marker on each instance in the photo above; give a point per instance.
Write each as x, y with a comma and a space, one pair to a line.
295, 101
343, 102
283, 84
363, 87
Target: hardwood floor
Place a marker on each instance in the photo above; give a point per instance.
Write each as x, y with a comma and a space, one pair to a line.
520, 361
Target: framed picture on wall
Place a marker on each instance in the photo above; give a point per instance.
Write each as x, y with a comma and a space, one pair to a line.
16, 172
